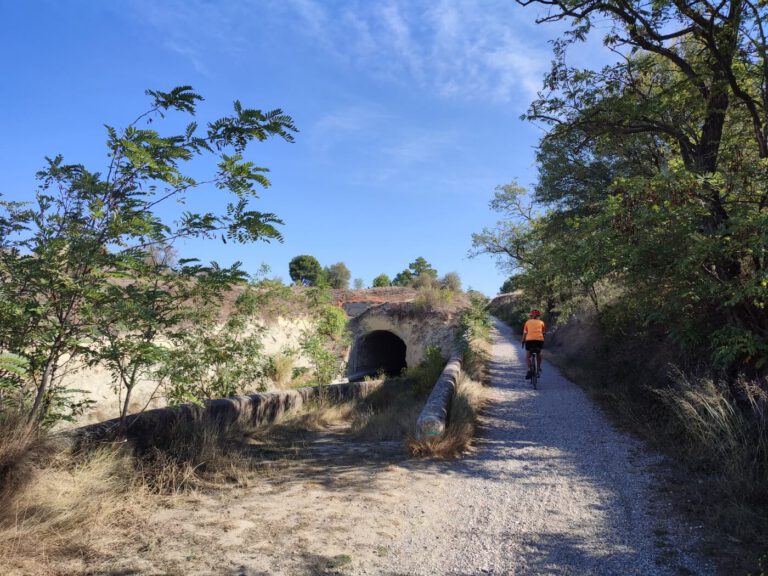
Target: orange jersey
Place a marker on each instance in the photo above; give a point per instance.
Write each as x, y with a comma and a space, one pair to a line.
534, 330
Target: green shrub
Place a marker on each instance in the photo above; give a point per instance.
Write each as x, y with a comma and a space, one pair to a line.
431, 297
425, 375
326, 364
332, 321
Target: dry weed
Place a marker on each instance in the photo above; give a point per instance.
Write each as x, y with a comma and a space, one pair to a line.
21, 448
195, 455
723, 424
77, 510
282, 370
389, 413
476, 358
317, 415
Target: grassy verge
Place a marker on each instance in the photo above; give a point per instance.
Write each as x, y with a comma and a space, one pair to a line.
70, 511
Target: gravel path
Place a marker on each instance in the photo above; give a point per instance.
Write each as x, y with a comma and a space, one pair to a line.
552, 488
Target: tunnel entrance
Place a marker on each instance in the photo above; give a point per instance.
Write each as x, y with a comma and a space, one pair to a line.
380, 350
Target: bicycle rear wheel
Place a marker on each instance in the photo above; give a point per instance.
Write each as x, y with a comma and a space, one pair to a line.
535, 371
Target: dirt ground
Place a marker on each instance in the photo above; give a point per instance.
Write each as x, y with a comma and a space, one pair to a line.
551, 488
324, 509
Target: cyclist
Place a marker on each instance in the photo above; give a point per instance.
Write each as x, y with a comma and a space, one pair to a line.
533, 339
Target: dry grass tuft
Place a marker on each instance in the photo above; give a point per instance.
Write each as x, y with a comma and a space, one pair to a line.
389, 413
195, 455
282, 370
467, 402
724, 427
476, 358
77, 509
318, 415
431, 298
22, 447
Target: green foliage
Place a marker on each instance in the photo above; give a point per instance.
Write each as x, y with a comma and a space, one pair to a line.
419, 274
332, 322
512, 310
425, 375
381, 281
508, 286
358, 284
337, 275
420, 267
324, 343
65, 258
13, 377
318, 296
474, 336
209, 359
404, 278
475, 321
672, 230
326, 364
654, 173
305, 270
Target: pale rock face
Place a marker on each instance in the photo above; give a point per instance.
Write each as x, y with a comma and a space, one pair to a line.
417, 331
96, 382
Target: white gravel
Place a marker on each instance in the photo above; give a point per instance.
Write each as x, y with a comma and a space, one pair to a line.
552, 488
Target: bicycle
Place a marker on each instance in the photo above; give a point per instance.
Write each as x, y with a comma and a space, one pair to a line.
535, 369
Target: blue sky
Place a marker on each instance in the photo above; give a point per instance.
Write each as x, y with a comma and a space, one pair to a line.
408, 111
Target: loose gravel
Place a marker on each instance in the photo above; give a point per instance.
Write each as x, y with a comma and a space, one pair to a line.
552, 488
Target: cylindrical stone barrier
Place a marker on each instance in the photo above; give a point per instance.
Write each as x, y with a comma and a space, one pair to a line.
251, 410
433, 416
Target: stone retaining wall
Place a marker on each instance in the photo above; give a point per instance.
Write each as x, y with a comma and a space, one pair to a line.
251, 411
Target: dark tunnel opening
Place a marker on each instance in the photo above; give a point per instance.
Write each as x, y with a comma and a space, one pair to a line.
381, 351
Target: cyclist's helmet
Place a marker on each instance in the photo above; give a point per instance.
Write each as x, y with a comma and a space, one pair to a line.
535, 313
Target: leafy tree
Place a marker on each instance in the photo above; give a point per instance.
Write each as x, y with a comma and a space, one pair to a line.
654, 177
508, 286
13, 374
419, 274
404, 278
358, 283
80, 248
451, 281
338, 275
381, 280
420, 267
172, 303
305, 270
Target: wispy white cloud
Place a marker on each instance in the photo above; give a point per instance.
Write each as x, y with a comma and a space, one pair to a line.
456, 49
195, 29
346, 124
421, 147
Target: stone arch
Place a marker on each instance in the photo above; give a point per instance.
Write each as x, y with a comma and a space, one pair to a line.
376, 351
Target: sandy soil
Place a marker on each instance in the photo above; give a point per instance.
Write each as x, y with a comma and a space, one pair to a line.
551, 488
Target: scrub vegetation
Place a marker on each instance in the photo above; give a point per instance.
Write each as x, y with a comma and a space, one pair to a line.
650, 218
